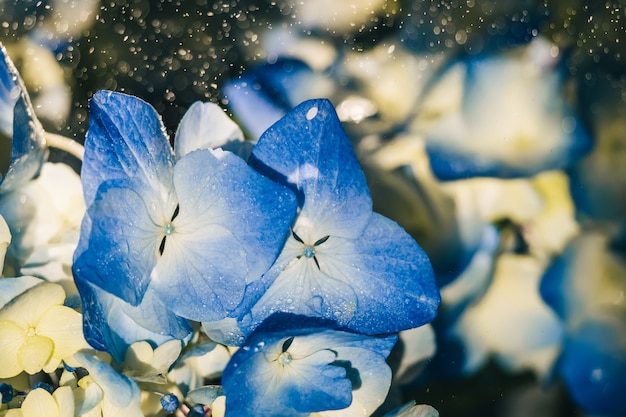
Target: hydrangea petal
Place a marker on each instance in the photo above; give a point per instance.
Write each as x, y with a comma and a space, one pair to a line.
28, 150
11, 338
39, 402
126, 141
230, 227
381, 282
27, 308
112, 325
64, 398
35, 353
294, 365
252, 106
118, 248
19, 123
9, 92
309, 152
64, 326
118, 389
311, 381
205, 126
371, 382
263, 95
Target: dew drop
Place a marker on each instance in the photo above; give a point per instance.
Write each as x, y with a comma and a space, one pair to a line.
311, 113
285, 358
309, 251
168, 229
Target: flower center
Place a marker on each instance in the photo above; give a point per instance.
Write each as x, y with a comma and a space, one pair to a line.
309, 251
168, 229
285, 358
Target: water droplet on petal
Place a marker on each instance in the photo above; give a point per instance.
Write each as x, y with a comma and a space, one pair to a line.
311, 113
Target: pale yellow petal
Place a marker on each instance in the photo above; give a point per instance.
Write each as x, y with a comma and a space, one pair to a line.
15, 412
35, 353
27, 308
39, 403
64, 326
12, 337
64, 398
139, 356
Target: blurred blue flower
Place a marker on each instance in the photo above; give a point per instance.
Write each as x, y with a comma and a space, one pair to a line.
342, 261
264, 94
593, 365
585, 286
190, 226
293, 366
512, 119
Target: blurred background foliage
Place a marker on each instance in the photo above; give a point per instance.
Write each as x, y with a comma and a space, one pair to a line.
172, 53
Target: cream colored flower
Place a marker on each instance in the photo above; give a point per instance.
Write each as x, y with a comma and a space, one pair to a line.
37, 331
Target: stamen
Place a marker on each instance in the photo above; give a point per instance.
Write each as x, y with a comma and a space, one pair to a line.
295, 236
320, 241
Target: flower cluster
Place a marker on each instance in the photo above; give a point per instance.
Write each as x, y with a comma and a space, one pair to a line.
513, 190
261, 267
256, 267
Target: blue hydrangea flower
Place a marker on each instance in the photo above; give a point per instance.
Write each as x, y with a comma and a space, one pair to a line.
195, 225
342, 261
293, 366
22, 141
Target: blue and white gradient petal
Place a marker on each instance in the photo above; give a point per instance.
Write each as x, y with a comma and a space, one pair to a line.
294, 366
342, 262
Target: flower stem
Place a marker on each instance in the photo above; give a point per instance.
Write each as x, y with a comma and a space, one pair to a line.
65, 144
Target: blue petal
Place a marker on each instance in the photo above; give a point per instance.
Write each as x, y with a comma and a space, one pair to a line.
231, 226
119, 244
309, 151
9, 92
252, 106
126, 140
119, 389
19, 123
206, 126
111, 325
263, 95
381, 282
